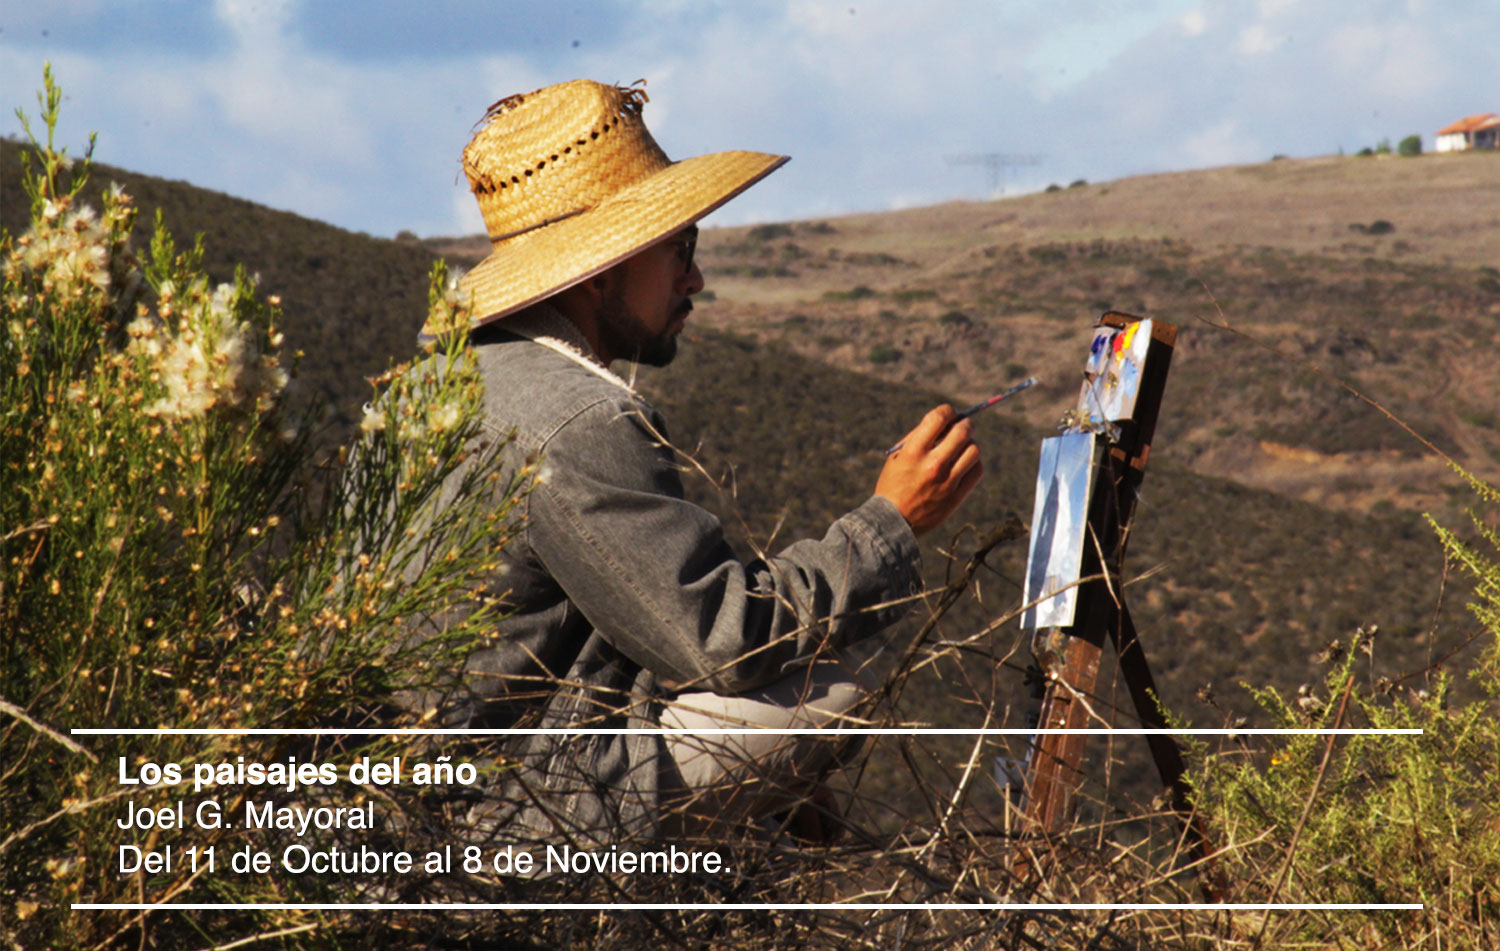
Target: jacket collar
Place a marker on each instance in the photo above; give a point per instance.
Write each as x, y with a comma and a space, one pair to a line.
545, 325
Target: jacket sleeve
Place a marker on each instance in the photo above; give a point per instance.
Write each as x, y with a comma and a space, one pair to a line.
654, 575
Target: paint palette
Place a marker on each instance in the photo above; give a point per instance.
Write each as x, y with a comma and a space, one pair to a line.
1112, 375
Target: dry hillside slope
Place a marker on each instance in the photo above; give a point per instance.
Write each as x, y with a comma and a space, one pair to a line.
1381, 272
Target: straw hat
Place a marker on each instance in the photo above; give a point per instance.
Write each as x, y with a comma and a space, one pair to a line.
571, 183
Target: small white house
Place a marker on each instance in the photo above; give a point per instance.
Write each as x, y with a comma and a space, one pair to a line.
1471, 132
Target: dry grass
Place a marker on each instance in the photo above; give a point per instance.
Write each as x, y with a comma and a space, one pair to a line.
1281, 247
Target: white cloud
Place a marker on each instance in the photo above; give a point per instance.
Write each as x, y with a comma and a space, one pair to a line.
256, 23
465, 213
1220, 143
1273, 8
262, 105
274, 92
1258, 39
1395, 61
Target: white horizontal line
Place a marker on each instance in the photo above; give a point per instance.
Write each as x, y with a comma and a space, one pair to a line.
736, 731
749, 906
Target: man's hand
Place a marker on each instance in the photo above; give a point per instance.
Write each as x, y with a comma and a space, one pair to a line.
933, 471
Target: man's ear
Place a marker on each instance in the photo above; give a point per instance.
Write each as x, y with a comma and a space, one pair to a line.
604, 282
592, 291
586, 295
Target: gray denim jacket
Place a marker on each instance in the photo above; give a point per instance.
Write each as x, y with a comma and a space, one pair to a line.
618, 581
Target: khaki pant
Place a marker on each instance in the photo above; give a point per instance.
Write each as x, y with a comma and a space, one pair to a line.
718, 780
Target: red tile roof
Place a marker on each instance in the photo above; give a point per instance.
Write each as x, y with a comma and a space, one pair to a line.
1484, 120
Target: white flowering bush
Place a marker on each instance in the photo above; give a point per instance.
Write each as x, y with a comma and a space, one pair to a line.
173, 553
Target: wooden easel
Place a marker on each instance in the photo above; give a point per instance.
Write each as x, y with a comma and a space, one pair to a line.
1069, 657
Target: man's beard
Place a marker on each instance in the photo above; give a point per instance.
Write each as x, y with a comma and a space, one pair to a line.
624, 334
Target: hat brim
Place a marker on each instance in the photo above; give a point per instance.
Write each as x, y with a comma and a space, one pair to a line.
533, 266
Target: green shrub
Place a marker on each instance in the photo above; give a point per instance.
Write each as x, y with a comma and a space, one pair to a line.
1375, 818
770, 232
874, 259
1481, 418
882, 353
908, 295
858, 292
1411, 145
1048, 253
756, 271
172, 555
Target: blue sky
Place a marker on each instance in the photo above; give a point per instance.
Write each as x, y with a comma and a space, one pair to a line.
355, 113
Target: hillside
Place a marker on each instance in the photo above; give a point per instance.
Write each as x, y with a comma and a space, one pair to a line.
1380, 272
1384, 272
1251, 583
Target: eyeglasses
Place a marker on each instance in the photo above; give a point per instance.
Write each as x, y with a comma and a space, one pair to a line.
685, 246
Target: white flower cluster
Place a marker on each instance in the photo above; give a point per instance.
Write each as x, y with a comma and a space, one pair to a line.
440, 418
67, 252
417, 404
212, 360
373, 421
444, 417
451, 309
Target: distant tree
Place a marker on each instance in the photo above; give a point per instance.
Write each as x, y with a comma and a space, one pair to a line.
770, 232
1411, 145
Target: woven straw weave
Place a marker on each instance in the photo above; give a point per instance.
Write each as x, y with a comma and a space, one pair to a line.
570, 183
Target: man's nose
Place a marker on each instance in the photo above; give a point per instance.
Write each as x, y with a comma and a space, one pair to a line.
692, 282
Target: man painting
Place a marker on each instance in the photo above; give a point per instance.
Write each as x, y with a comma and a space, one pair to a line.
630, 609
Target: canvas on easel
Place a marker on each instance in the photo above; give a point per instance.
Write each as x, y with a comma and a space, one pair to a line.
1058, 527
1110, 428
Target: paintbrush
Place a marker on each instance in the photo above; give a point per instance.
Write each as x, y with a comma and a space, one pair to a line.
981, 406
